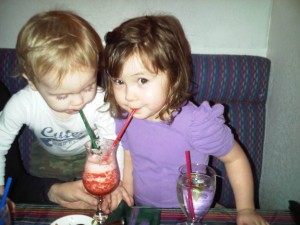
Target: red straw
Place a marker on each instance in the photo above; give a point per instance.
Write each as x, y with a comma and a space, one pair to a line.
123, 128
188, 168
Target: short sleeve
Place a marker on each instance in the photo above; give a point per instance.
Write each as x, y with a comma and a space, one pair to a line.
208, 131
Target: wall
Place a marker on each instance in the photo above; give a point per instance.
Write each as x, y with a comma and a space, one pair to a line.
281, 167
215, 26
228, 26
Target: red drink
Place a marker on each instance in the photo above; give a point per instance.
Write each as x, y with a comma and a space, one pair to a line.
101, 173
101, 183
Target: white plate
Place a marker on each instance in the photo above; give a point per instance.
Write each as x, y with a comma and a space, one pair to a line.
73, 220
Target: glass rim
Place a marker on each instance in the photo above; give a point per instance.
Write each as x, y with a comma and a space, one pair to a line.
183, 170
101, 140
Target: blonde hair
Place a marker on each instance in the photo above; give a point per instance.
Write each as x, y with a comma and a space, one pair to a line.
56, 41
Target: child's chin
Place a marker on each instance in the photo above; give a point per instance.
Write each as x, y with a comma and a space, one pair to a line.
71, 112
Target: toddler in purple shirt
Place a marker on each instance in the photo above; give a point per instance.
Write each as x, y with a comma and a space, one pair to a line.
157, 149
147, 63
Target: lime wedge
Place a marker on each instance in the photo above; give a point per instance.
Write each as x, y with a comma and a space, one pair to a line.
196, 193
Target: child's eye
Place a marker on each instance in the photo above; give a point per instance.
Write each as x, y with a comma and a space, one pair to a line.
118, 82
88, 89
61, 97
142, 80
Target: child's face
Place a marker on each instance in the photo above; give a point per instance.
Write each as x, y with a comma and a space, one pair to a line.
140, 88
73, 92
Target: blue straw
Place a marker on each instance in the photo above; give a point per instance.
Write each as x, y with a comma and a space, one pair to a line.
7, 186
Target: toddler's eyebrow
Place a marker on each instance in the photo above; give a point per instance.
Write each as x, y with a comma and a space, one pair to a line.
68, 93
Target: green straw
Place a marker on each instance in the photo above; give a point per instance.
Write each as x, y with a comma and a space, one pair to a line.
90, 132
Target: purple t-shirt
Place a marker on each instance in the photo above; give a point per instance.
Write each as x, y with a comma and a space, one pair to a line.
158, 149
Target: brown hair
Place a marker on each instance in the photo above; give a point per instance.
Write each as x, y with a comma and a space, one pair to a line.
161, 43
56, 41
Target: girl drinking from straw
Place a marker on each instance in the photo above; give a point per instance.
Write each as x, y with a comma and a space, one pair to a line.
148, 67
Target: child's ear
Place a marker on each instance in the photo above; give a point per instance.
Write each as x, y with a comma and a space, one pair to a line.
30, 83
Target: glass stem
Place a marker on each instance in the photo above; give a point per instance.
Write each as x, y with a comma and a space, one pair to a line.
100, 204
100, 216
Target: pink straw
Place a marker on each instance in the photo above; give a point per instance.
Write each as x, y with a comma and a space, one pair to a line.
123, 128
188, 168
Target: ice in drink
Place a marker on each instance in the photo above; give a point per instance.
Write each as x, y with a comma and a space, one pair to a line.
101, 183
202, 192
101, 172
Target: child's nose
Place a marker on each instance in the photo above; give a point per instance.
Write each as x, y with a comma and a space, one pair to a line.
77, 100
130, 95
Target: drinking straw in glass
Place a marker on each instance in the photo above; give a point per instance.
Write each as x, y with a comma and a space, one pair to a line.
90, 132
188, 169
124, 128
6, 189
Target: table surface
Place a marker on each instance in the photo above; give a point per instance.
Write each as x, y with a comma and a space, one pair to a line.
45, 214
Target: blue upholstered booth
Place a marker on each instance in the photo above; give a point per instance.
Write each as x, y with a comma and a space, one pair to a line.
239, 82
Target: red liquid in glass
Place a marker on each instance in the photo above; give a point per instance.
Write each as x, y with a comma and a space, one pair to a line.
100, 184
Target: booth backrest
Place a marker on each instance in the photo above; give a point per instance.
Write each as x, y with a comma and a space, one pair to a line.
8, 68
239, 82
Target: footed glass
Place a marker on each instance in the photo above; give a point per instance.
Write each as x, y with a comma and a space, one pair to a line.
196, 195
101, 173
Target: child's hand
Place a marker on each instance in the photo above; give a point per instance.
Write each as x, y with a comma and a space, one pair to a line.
250, 217
9, 202
112, 200
11, 205
78, 198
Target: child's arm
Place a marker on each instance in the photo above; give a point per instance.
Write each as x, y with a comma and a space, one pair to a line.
240, 177
128, 179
